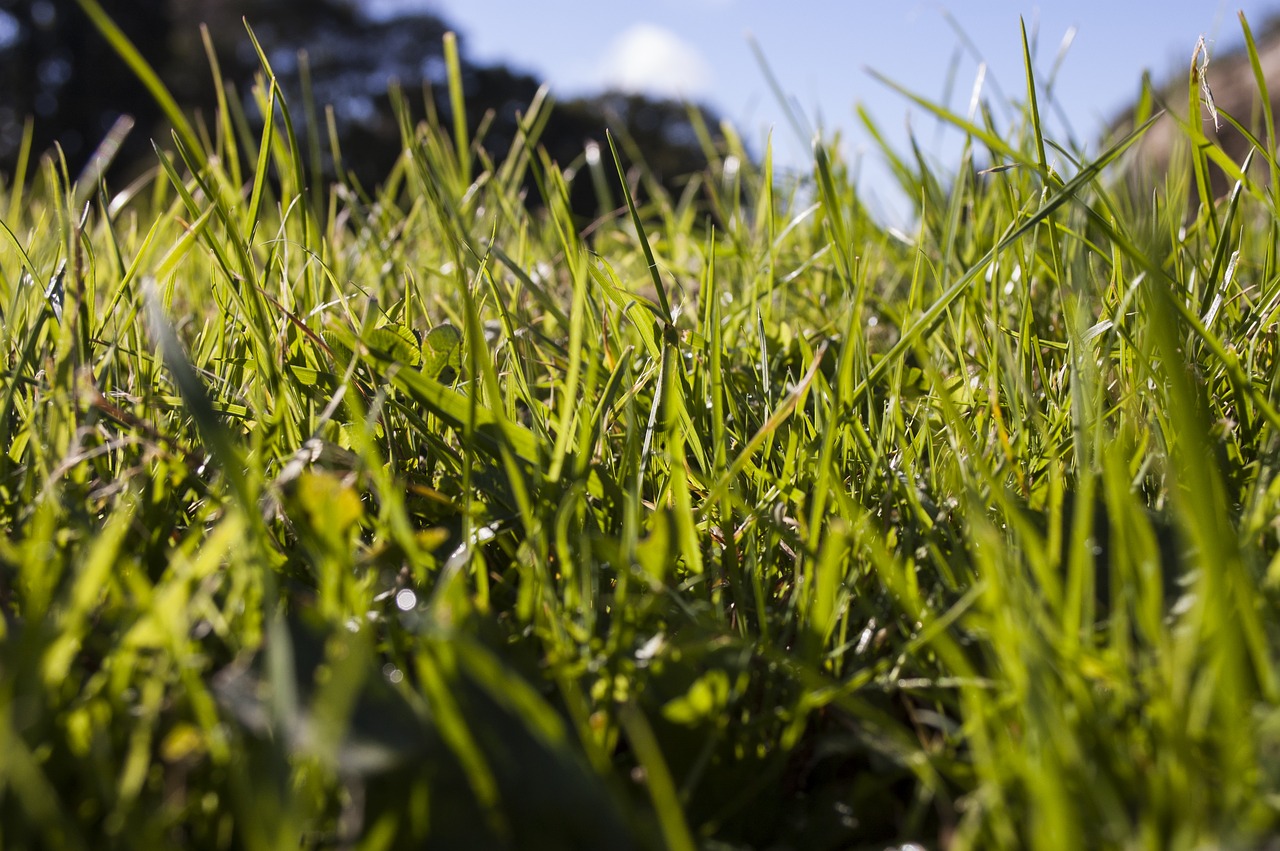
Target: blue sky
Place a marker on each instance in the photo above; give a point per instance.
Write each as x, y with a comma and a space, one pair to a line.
820, 50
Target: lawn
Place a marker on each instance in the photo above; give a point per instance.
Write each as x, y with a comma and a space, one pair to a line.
431, 515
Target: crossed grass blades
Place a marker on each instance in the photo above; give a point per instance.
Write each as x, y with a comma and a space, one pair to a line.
405, 517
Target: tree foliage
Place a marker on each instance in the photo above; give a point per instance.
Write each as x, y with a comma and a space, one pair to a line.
57, 69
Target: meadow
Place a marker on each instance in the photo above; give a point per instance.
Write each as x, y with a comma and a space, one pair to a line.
429, 515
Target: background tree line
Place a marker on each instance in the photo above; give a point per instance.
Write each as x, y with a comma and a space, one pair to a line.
57, 71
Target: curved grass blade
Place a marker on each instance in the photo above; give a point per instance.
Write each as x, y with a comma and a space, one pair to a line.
659, 287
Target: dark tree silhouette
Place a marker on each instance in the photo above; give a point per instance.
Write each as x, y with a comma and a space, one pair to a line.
56, 67
661, 130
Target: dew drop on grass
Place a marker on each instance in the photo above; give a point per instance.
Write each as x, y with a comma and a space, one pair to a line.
650, 649
406, 599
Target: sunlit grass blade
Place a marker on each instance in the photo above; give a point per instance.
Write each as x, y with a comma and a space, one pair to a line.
660, 289
446, 509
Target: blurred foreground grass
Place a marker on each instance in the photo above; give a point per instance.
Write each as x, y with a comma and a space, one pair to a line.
417, 519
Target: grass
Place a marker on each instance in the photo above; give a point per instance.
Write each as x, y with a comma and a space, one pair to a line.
417, 518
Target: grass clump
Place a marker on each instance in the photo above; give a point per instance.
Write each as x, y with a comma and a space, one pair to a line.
335, 519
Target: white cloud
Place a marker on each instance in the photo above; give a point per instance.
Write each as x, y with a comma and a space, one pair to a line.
649, 59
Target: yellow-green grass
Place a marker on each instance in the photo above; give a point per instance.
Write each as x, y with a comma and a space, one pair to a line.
425, 519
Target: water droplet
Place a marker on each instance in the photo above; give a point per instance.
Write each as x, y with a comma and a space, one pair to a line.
406, 599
